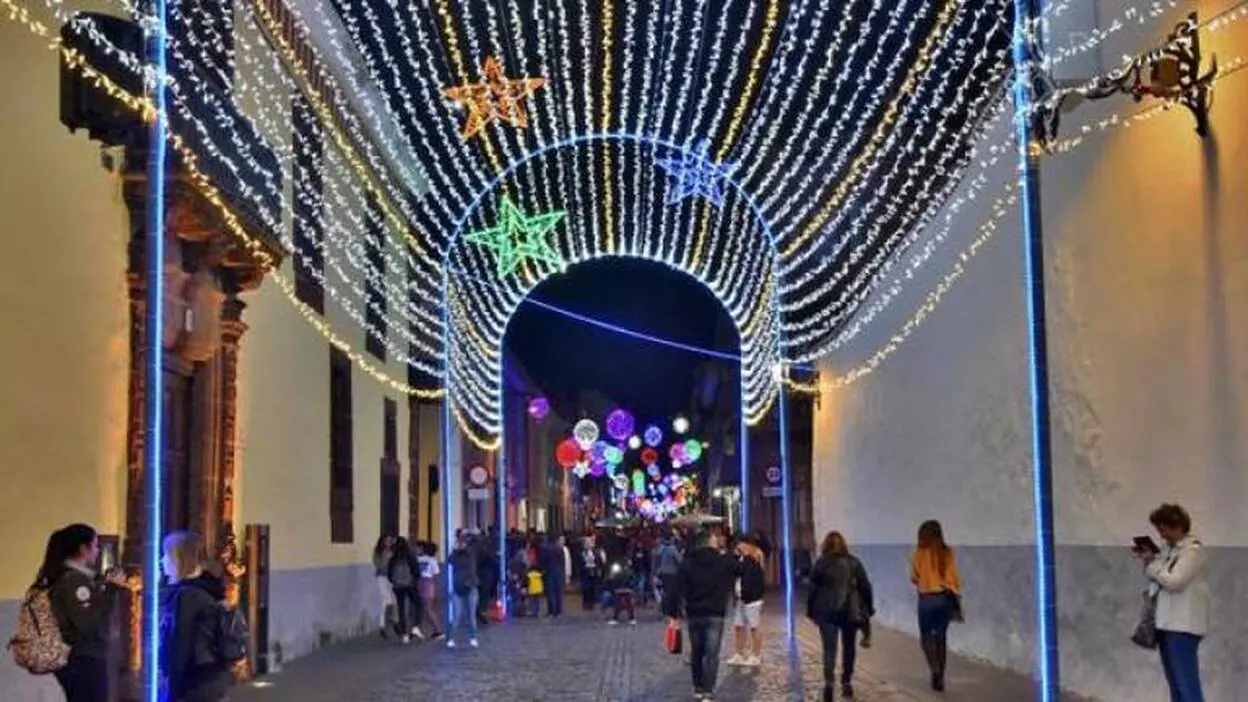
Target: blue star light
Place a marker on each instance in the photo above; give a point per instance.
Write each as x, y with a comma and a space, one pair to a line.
696, 175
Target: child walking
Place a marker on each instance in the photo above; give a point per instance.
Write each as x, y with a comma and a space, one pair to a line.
536, 591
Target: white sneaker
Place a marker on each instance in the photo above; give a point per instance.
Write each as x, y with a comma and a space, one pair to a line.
473, 643
450, 643
407, 639
612, 622
754, 661
737, 659
417, 633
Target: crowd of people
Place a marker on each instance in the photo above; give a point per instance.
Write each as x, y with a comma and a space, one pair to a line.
701, 579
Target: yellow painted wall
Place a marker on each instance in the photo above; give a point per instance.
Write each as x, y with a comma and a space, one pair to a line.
66, 347
284, 374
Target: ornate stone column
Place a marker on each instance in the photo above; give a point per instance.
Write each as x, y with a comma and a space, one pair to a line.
232, 329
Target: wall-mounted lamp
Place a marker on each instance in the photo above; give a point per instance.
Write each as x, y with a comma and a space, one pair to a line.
1170, 72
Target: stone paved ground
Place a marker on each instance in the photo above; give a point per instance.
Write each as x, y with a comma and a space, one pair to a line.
580, 659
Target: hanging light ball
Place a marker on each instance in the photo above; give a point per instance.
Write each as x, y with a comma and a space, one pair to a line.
653, 471
621, 481
653, 436
586, 433
539, 408
634, 442
677, 453
693, 450
680, 424
613, 455
649, 456
568, 453
597, 470
620, 424
598, 452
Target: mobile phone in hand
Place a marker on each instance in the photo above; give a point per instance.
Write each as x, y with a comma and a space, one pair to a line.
1144, 544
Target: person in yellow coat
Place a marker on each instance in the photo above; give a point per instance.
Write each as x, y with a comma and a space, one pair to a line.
535, 591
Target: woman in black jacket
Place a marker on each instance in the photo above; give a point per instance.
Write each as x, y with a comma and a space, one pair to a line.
82, 603
190, 664
840, 602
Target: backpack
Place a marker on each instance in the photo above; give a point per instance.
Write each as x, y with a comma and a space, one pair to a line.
223, 636
37, 646
401, 574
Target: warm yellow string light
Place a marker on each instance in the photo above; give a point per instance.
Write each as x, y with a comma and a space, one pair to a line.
608, 193
770, 22
882, 129
457, 59
491, 444
362, 170
146, 111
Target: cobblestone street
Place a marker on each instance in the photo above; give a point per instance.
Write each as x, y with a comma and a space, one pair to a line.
579, 658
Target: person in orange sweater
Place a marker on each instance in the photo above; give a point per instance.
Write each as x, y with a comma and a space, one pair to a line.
934, 572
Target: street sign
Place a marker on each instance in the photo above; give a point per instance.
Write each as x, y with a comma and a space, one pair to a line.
773, 492
478, 494
478, 476
773, 475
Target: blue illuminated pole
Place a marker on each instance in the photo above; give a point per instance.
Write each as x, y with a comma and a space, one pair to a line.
1026, 15
154, 398
500, 481
786, 500
448, 420
743, 448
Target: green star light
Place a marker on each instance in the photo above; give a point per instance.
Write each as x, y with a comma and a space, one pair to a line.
517, 236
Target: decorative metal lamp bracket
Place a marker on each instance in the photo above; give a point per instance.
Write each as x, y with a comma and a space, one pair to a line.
1170, 73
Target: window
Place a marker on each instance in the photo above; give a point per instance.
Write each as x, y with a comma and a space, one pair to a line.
341, 450
375, 301
390, 469
309, 257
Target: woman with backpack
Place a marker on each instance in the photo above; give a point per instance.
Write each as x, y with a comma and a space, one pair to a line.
840, 601
404, 574
194, 666
65, 619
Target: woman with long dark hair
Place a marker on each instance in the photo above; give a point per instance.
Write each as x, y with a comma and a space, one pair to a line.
934, 572
82, 601
841, 599
382, 551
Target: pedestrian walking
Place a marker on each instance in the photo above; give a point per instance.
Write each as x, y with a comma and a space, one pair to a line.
702, 588
840, 600
462, 564
934, 572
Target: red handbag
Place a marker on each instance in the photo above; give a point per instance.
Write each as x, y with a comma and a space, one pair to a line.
673, 637
497, 612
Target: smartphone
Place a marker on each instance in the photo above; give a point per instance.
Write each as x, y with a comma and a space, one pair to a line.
1146, 544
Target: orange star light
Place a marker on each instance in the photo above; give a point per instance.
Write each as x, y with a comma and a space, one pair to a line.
497, 98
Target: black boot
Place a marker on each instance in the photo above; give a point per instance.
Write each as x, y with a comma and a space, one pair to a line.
847, 691
828, 693
941, 653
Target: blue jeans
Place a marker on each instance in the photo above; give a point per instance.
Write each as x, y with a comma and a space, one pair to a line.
463, 611
705, 635
935, 613
828, 632
1181, 664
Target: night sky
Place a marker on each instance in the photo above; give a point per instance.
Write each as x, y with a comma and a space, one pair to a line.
564, 355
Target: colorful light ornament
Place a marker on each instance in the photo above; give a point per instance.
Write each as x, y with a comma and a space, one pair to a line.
653, 436
653, 471
568, 453
539, 408
649, 456
620, 424
597, 470
634, 442
694, 174
693, 450
598, 452
639, 483
613, 455
621, 481
581, 469
497, 98
585, 433
518, 236
680, 424
677, 453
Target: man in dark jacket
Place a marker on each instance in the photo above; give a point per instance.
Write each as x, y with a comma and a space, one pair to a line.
462, 564
189, 663
555, 572
704, 585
